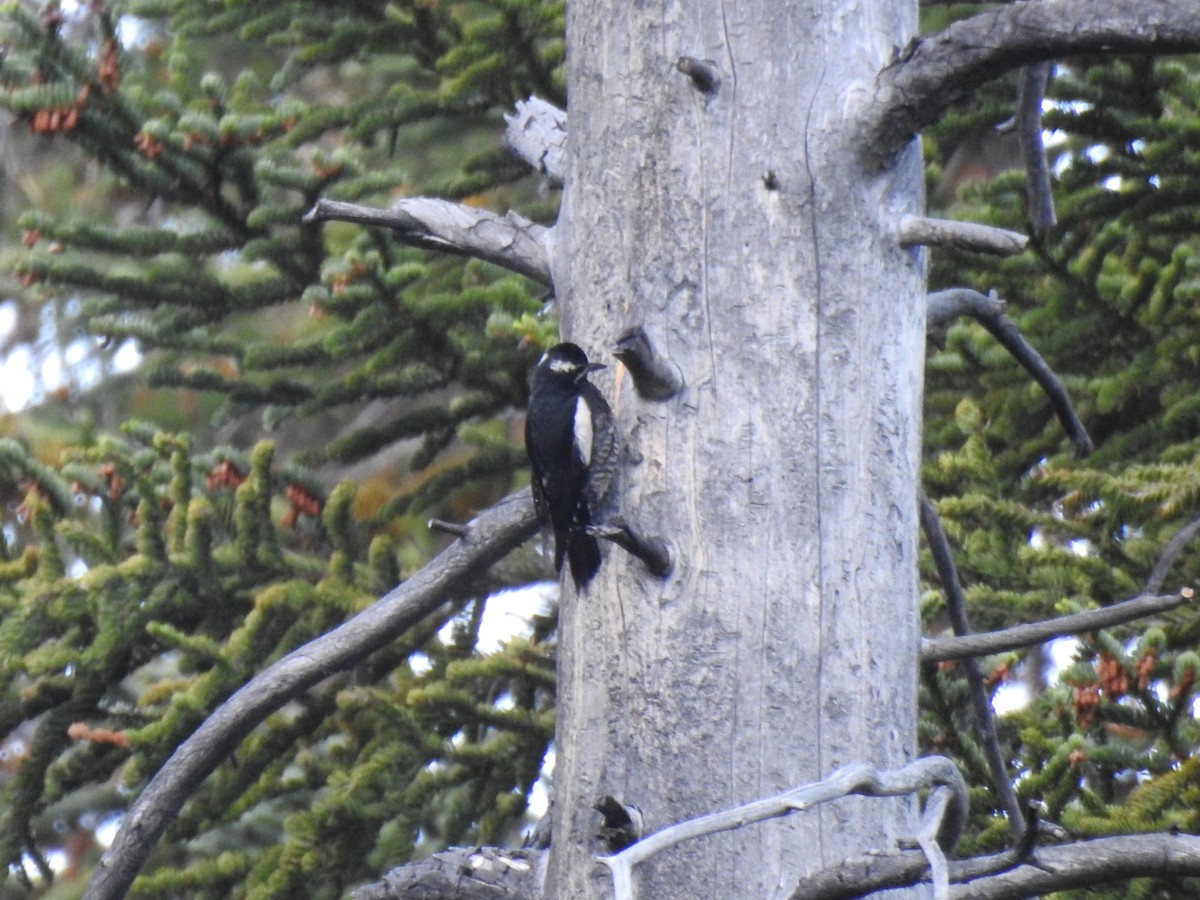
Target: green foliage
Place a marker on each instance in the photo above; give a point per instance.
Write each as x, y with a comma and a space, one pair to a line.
221, 280
143, 580
165, 582
1109, 299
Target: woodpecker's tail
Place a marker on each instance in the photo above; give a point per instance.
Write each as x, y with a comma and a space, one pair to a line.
583, 554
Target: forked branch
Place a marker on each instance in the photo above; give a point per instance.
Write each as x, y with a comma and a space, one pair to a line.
985, 720
949, 811
939, 69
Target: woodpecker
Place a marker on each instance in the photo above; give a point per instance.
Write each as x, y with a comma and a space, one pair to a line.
572, 449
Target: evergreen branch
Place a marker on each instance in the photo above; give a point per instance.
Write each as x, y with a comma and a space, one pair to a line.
956, 607
170, 288
937, 70
510, 241
132, 241
281, 390
367, 440
955, 648
989, 312
1029, 130
493, 534
860, 779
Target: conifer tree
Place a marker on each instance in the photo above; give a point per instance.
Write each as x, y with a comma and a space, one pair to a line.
148, 574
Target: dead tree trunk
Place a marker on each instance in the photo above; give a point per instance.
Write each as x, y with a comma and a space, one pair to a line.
714, 196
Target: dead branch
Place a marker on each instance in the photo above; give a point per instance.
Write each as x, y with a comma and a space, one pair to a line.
987, 313
537, 134
944, 649
463, 873
874, 871
1085, 863
858, 778
510, 241
492, 534
931, 232
654, 552
939, 69
985, 720
1029, 131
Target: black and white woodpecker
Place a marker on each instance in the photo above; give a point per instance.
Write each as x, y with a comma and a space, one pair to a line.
572, 447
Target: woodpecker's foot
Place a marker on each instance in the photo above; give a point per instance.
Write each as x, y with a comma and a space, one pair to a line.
654, 376
622, 824
459, 531
652, 551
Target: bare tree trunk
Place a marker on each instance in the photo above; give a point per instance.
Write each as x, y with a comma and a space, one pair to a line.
736, 224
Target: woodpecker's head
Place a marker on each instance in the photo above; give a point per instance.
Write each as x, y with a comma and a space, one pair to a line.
567, 361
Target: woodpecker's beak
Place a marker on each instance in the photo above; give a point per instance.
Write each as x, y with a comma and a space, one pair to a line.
590, 367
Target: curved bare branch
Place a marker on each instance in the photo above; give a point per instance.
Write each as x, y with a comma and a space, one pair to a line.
940, 68
984, 309
492, 534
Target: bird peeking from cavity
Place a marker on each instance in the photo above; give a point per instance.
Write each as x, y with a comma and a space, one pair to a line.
572, 447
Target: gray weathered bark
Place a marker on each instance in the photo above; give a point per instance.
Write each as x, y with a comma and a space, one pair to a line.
738, 227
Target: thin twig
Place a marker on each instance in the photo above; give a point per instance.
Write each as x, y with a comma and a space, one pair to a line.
454, 528
1029, 131
984, 310
956, 607
493, 534
986, 643
936, 807
1169, 554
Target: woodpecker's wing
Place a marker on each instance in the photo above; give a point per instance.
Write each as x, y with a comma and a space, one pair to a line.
603, 456
537, 481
